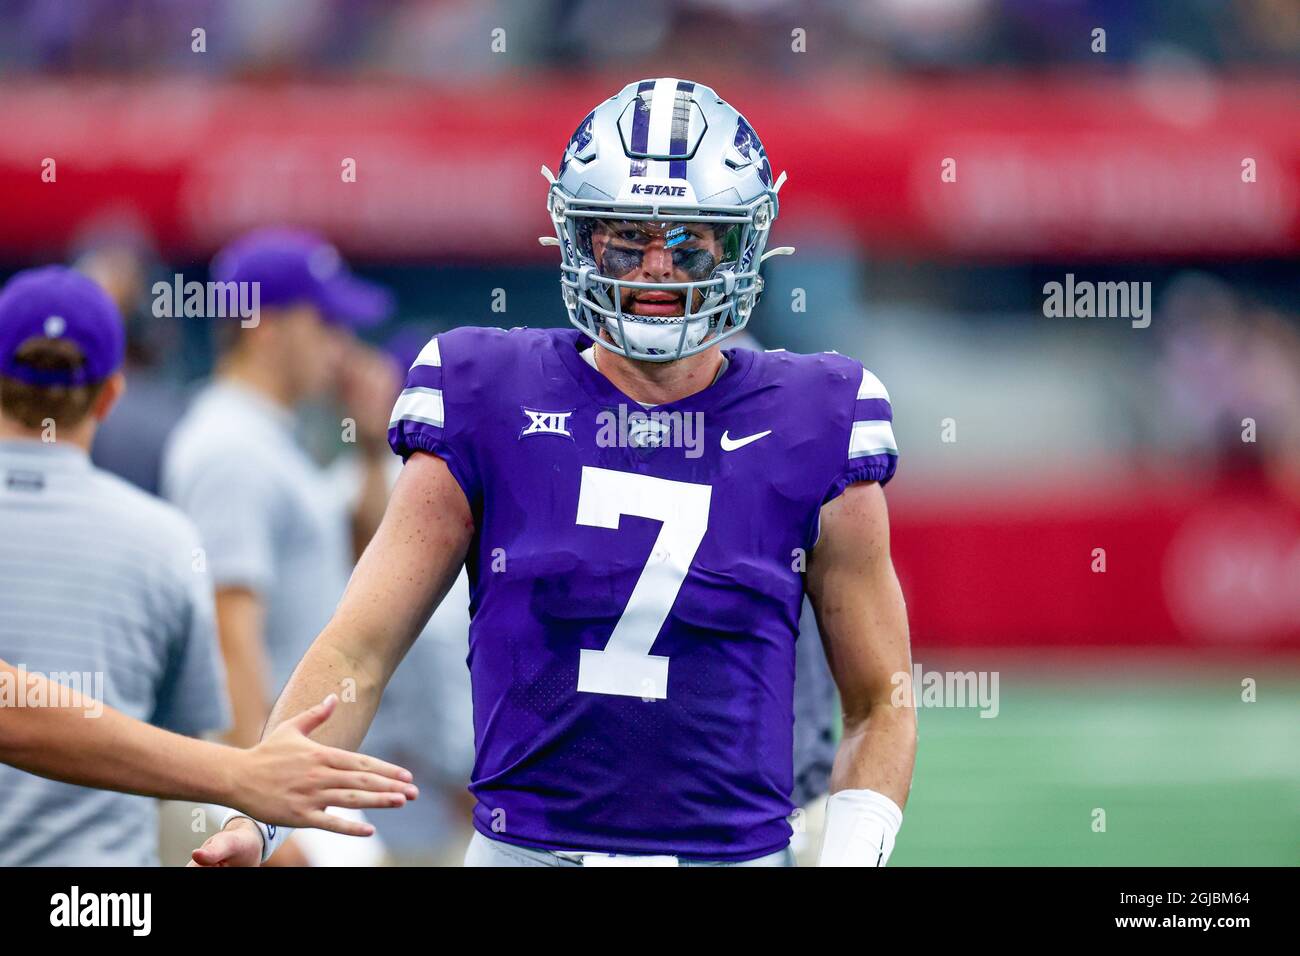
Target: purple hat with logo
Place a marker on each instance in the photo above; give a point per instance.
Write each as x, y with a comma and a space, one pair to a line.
296, 265
55, 302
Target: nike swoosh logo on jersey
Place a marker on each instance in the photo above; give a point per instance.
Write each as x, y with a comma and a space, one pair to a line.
730, 444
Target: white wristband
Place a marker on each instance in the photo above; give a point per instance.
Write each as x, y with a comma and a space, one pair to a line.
273, 837
860, 829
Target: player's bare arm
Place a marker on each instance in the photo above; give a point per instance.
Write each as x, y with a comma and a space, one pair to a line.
409, 566
288, 779
863, 621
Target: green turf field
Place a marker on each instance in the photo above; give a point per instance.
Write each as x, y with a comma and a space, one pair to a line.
1186, 772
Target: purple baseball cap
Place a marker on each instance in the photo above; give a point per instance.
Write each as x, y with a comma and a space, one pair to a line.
55, 302
296, 265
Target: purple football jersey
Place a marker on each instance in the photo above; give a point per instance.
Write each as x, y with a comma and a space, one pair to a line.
636, 581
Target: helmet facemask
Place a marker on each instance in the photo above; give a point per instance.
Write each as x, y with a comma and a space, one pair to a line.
613, 255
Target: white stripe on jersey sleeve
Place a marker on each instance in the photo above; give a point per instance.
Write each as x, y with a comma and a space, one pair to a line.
872, 438
429, 355
872, 387
418, 405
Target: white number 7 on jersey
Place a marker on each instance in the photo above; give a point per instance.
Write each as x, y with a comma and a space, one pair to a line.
626, 667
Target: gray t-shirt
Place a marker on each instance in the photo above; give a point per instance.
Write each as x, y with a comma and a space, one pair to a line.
270, 519
99, 590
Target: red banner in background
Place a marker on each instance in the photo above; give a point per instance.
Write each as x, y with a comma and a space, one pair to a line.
1205, 570
1087, 169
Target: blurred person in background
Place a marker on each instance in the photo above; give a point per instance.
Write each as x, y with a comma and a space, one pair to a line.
99, 579
278, 540
119, 255
1252, 354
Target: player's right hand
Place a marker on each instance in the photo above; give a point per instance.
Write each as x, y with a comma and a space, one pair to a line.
239, 844
289, 779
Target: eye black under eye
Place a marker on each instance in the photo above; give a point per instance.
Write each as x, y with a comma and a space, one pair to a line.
617, 262
694, 261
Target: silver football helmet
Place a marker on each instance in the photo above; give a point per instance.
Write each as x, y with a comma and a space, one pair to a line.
662, 208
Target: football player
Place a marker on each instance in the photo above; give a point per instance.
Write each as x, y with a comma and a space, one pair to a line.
641, 511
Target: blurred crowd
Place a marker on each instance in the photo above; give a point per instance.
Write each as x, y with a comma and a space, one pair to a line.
442, 39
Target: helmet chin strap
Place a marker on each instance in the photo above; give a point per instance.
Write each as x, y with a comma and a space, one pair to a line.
642, 338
